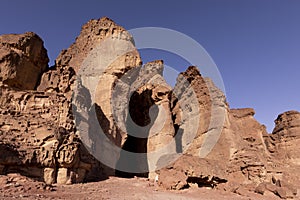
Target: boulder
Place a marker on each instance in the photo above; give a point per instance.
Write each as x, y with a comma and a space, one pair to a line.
189, 170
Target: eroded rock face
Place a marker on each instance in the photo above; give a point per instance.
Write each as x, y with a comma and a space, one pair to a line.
285, 137
211, 145
147, 116
244, 156
102, 54
37, 136
198, 109
38, 133
282, 145
23, 59
61, 77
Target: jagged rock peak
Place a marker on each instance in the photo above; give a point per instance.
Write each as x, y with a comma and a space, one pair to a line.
93, 32
191, 73
152, 68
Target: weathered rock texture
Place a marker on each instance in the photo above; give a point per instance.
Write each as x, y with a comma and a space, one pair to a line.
138, 112
245, 157
23, 59
38, 135
283, 148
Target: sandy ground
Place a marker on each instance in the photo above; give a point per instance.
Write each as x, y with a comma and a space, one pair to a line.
14, 186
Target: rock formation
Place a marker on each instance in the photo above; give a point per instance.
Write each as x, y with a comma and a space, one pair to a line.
283, 149
37, 128
44, 110
23, 59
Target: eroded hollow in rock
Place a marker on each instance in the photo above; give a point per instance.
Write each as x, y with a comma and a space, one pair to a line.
205, 181
142, 114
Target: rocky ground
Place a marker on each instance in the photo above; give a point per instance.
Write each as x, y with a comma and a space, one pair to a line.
15, 186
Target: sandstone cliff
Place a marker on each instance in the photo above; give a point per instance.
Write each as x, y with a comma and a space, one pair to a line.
44, 110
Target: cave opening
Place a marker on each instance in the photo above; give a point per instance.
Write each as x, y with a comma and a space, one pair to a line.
142, 114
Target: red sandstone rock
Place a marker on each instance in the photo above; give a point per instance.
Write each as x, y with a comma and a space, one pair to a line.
38, 135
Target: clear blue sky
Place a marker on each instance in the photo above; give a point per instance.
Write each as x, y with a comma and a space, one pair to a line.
255, 43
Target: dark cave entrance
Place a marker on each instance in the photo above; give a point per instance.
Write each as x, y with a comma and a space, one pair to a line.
143, 113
